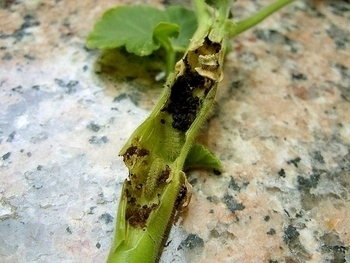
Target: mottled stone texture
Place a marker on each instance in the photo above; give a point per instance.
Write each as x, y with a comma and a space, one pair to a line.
281, 126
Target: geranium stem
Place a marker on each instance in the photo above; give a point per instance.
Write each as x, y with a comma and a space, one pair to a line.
258, 17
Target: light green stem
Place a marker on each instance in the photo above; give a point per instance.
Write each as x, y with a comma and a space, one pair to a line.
157, 189
203, 16
258, 17
170, 58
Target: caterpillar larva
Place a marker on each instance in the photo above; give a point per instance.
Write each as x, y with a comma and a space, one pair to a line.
155, 171
173, 142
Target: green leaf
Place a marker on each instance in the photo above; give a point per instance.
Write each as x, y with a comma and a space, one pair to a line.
164, 31
143, 29
162, 34
187, 21
129, 26
201, 157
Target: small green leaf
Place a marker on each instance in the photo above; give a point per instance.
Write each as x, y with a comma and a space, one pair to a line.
187, 21
201, 157
164, 31
129, 26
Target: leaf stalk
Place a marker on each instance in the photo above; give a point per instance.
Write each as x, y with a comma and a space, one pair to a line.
255, 19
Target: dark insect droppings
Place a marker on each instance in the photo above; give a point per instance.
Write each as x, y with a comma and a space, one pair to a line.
137, 216
133, 150
181, 196
184, 106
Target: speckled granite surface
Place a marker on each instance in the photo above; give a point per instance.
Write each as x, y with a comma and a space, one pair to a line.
281, 126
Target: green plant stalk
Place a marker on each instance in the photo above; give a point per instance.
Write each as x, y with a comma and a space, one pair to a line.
170, 56
156, 189
258, 17
160, 31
